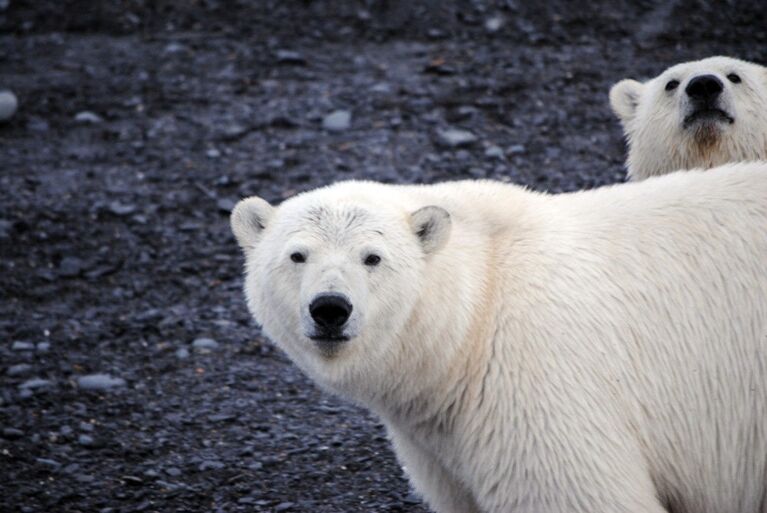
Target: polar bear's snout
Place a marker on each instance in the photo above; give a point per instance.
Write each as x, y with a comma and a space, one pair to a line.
330, 313
704, 93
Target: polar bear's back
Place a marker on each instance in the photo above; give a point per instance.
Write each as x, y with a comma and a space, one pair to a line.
662, 287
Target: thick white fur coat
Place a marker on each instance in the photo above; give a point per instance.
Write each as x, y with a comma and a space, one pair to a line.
600, 351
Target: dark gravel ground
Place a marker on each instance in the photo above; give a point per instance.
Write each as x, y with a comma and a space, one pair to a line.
115, 249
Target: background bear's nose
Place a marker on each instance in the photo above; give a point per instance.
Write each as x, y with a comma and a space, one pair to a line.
704, 88
330, 311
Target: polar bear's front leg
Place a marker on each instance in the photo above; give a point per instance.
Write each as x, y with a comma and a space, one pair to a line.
443, 492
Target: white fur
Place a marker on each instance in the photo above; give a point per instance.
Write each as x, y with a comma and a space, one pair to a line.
600, 351
652, 119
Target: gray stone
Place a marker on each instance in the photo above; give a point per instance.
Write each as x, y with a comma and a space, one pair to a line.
43, 347
211, 465
99, 382
516, 149
121, 209
22, 346
494, 152
12, 433
455, 137
494, 23
337, 121
213, 153
205, 344
48, 463
19, 370
85, 440
8, 105
182, 353
88, 117
35, 383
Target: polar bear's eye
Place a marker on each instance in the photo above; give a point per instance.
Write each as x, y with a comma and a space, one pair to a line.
372, 260
672, 84
298, 258
734, 78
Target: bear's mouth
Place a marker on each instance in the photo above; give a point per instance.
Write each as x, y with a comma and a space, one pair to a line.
707, 114
329, 344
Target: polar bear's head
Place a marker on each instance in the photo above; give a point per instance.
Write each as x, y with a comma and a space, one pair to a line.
697, 114
333, 275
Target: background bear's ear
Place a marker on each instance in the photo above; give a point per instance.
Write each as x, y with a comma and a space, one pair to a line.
432, 227
624, 99
249, 218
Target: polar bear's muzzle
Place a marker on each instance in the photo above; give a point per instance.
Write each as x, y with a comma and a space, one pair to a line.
330, 313
704, 94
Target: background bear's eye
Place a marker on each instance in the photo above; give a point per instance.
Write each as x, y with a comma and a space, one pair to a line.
298, 258
672, 84
372, 260
732, 77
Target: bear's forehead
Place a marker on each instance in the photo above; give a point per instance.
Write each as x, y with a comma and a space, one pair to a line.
718, 64
337, 221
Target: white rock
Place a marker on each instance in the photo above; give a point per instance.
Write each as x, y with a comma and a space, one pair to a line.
337, 121
205, 344
8, 105
494, 152
494, 23
22, 346
35, 383
454, 137
99, 382
88, 117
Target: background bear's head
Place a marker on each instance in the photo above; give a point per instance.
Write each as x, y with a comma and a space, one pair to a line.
694, 115
333, 276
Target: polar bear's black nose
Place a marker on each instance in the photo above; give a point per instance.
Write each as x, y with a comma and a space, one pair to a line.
330, 311
704, 88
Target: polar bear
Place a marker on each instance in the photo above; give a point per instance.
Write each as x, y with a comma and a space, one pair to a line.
697, 114
598, 351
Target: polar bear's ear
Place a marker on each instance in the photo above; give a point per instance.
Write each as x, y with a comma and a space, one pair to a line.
249, 218
624, 98
432, 227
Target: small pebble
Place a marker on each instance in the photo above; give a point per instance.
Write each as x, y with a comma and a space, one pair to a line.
51, 464
85, 426
88, 117
494, 23
211, 465
12, 433
121, 209
85, 440
205, 344
289, 57
213, 153
284, 506
494, 152
22, 346
337, 121
65, 430
18, 370
99, 382
173, 471
182, 353
454, 138
43, 347
35, 383
8, 105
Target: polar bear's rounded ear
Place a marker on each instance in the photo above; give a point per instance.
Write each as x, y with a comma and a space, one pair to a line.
624, 98
432, 227
249, 218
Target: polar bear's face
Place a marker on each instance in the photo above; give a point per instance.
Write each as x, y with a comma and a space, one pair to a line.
333, 280
696, 114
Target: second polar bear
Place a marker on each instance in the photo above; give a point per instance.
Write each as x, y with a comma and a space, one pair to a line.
595, 352
697, 114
